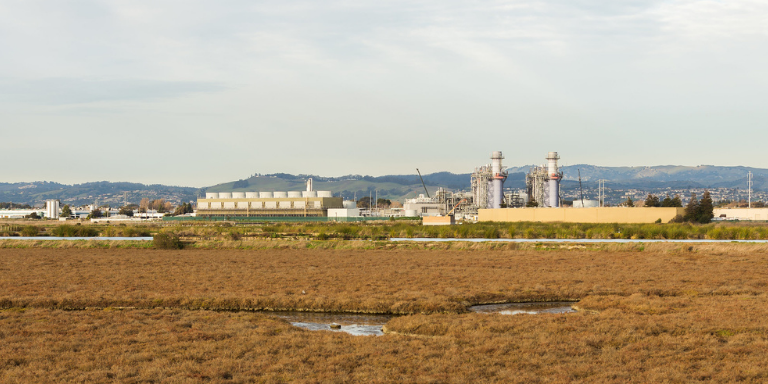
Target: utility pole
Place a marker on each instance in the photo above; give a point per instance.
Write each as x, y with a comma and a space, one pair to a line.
601, 192
749, 185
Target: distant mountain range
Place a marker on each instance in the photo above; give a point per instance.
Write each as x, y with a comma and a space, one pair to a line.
105, 192
390, 186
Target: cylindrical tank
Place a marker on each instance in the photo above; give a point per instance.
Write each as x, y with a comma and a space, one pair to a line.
587, 203
265, 195
280, 194
310, 188
294, 193
211, 195
225, 195
324, 194
251, 195
410, 213
309, 194
238, 195
350, 204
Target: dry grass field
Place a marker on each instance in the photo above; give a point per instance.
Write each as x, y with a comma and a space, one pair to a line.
650, 313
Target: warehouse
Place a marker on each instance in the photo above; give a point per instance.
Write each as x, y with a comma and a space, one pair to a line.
268, 204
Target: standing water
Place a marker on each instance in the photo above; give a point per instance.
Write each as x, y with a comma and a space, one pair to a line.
524, 308
352, 323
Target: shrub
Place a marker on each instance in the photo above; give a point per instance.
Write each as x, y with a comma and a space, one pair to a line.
167, 241
29, 231
74, 231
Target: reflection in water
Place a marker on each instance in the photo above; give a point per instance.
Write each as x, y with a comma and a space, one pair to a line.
352, 323
524, 308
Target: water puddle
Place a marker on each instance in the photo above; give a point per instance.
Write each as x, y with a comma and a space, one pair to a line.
351, 323
524, 308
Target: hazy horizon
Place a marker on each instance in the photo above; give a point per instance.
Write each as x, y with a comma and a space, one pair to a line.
201, 92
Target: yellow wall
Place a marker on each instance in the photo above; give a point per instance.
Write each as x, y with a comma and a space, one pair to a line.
581, 215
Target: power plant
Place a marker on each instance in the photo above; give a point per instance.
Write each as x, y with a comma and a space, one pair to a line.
487, 192
487, 183
543, 183
307, 203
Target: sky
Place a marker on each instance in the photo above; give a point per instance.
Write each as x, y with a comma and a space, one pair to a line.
197, 93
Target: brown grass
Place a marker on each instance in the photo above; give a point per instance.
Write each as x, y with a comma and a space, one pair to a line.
646, 339
381, 281
650, 313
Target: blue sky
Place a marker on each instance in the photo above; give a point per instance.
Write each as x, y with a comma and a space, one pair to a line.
201, 92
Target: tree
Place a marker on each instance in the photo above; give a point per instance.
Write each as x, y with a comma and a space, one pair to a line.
706, 209
126, 210
677, 202
143, 205
532, 204
182, 209
667, 202
66, 211
33, 216
652, 201
96, 213
364, 202
692, 209
629, 202
383, 203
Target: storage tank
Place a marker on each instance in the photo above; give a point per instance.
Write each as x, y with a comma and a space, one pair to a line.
211, 195
265, 195
251, 195
309, 194
225, 195
410, 213
350, 204
324, 194
238, 195
294, 193
587, 203
280, 194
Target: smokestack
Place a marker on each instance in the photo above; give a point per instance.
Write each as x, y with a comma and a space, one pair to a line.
554, 179
309, 185
498, 179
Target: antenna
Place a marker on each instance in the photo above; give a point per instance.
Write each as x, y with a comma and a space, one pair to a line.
581, 190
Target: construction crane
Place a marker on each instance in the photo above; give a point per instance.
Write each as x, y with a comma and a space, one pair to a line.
455, 206
422, 182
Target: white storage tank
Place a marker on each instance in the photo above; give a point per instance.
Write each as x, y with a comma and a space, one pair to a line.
324, 194
238, 195
587, 203
225, 195
309, 194
211, 195
280, 194
251, 195
350, 204
410, 213
294, 193
265, 195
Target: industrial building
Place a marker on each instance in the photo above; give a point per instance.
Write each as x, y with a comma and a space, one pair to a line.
582, 215
741, 214
307, 203
543, 183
